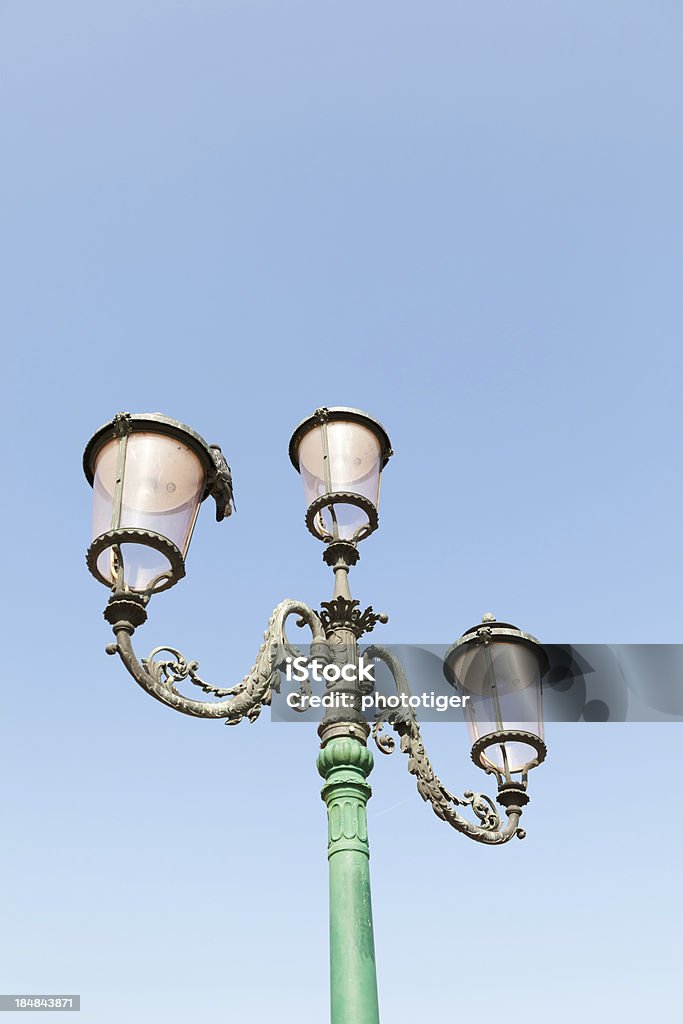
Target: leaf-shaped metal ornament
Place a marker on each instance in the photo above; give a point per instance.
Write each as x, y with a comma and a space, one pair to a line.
220, 486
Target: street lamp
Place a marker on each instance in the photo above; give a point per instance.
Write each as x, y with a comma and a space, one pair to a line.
340, 454
501, 669
149, 475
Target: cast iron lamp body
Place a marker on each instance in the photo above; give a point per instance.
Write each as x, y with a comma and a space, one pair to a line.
341, 453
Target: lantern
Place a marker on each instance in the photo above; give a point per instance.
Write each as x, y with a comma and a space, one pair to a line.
500, 669
340, 454
149, 475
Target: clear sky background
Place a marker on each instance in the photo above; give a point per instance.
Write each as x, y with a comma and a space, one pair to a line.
467, 220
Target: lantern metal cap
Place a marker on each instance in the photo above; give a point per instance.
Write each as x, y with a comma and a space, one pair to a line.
487, 631
149, 422
218, 476
339, 412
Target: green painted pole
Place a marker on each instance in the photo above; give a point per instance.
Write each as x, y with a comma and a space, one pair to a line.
345, 763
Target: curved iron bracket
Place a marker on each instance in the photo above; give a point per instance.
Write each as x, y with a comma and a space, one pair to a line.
444, 803
159, 676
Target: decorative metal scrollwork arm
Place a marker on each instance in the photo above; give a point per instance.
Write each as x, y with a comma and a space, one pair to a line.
159, 676
429, 786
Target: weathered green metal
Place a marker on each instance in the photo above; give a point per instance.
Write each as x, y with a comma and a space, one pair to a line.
345, 763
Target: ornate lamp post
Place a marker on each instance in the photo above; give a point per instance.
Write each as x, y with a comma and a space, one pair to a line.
149, 475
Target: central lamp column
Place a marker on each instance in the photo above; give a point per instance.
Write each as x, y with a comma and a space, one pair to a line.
340, 454
345, 763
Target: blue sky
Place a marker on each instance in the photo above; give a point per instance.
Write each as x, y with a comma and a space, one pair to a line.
466, 220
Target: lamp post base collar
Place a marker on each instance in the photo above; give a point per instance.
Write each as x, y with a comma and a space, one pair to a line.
344, 752
345, 613
357, 729
342, 552
125, 611
512, 794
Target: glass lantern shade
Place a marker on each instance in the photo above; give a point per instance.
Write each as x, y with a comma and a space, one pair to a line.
500, 670
340, 454
148, 483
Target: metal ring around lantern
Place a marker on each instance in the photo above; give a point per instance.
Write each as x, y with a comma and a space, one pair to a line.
495, 739
131, 535
342, 498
